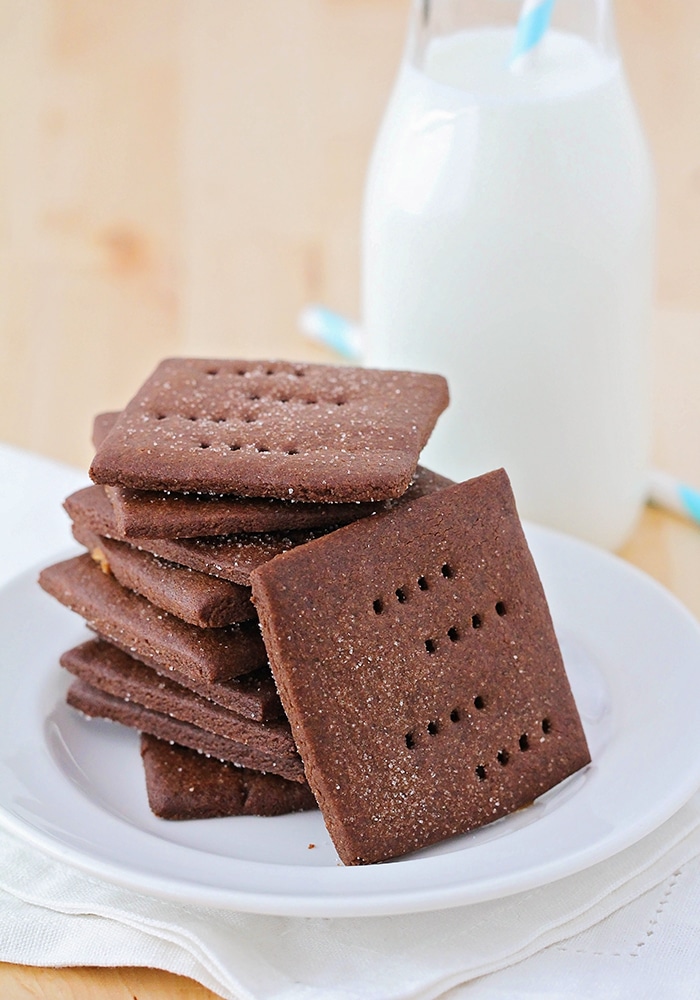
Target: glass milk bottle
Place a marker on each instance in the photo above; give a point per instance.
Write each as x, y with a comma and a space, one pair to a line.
508, 243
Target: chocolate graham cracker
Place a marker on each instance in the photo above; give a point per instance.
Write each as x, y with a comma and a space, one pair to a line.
229, 557
272, 429
182, 784
90, 508
197, 598
94, 703
160, 514
416, 660
153, 514
252, 695
126, 678
157, 638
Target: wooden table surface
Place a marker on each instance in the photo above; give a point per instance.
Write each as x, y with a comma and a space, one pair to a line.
182, 178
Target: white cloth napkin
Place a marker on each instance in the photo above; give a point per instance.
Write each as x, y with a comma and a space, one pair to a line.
629, 926
53, 915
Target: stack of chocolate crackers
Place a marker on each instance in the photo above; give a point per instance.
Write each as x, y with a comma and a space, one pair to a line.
293, 612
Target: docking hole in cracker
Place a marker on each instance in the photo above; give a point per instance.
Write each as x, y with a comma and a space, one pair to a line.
318, 433
416, 661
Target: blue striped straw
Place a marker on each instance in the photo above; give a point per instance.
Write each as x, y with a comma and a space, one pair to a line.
672, 494
532, 26
330, 328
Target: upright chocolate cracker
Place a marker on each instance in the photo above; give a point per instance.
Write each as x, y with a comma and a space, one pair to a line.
416, 660
272, 429
97, 704
183, 784
158, 639
202, 600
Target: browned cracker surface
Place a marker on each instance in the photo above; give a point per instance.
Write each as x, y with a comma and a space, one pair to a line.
164, 514
149, 513
416, 660
182, 784
150, 634
272, 429
229, 557
124, 677
252, 695
198, 598
95, 703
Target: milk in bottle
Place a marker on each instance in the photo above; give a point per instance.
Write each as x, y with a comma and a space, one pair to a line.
507, 243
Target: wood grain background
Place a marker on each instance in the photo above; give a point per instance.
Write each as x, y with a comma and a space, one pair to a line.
182, 176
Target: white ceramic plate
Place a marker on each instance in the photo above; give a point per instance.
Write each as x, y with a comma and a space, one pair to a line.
75, 788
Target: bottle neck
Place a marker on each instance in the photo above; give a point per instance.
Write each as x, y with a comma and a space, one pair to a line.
590, 20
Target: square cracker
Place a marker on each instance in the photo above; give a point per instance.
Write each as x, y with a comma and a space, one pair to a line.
109, 669
97, 704
153, 636
252, 695
272, 429
184, 784
164, 514
197, 598
416, 661
160, 514
229, 557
